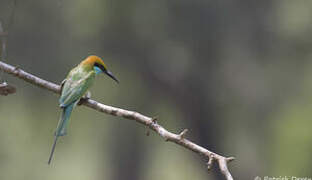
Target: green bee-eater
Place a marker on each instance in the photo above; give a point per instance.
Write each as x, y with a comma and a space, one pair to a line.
76, 84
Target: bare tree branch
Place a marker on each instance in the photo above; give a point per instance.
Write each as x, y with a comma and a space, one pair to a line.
145, 120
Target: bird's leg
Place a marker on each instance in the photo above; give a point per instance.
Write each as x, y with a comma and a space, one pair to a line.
84, 98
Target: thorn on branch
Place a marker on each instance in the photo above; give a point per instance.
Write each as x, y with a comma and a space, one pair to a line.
182, 134
154, 120
149, 124
229, 159
210, 162
16, 70
6, 89
114, 112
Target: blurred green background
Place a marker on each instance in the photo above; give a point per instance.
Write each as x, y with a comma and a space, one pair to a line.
237, 74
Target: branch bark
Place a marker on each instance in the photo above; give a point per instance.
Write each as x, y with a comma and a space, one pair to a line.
145, 120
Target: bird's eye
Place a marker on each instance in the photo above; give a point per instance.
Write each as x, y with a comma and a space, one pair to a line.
96, 65
100, 66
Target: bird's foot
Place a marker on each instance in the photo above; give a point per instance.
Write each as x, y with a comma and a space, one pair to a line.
85, 98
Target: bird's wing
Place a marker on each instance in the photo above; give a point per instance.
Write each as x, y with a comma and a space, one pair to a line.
75, 87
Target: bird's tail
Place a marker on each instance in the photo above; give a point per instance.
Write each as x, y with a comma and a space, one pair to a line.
53, 148
62, 126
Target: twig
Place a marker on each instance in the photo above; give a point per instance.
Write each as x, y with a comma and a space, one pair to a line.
182, 134
147, 121
6, 89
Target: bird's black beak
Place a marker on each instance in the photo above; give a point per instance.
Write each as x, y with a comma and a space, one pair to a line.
110, 74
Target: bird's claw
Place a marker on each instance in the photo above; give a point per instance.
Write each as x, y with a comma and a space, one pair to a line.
85, 98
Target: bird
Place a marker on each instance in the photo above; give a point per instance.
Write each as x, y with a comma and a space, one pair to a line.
74, 87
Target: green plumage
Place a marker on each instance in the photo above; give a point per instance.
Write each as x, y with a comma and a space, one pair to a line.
75, 86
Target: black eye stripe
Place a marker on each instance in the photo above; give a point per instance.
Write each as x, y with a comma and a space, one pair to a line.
100, 66
96, 64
